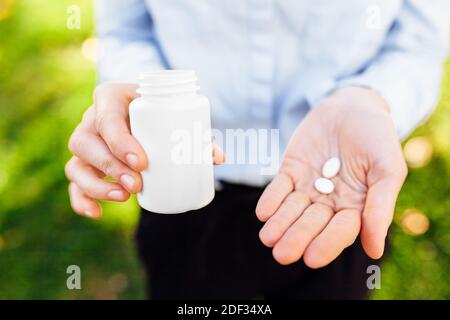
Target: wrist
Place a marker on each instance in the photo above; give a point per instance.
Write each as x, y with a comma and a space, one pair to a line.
346, 106
359, 96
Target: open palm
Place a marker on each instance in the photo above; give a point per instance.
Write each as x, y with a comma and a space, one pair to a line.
355, 126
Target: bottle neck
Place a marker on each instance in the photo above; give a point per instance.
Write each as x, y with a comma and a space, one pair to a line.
168, 84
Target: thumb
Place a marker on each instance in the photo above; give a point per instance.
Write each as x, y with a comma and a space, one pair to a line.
218, 155
379, 211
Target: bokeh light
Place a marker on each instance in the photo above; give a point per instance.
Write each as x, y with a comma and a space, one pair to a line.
5, 8
118, 282
414, 222
89, 49
418, 152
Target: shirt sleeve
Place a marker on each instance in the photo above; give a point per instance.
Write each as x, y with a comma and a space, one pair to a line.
127, 41
407, 70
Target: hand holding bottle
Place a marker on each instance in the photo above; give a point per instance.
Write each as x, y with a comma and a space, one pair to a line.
102, 145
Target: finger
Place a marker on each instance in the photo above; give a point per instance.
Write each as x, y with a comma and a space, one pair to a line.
82, 204
377, 215
88, 121
273, 195
91, 149
90, 181
218, 155
289, 211
111, 121
293, 243
341, 232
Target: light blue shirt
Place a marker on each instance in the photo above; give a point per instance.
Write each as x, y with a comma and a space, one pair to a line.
265, 63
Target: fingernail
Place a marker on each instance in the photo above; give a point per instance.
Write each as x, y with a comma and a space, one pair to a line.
89, 214
128, 181
116, 195
132, 159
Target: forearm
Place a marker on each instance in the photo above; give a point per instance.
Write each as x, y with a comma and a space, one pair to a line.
408, 68
128, 43
123, 60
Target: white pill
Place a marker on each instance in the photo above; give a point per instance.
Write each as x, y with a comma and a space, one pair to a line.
324, 185
331, 168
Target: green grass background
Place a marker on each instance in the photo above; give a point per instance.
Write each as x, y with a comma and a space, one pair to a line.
45, 85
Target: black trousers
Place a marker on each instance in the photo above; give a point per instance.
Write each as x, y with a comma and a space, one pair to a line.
215, 253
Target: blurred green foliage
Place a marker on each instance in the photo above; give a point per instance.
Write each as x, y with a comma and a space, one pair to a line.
45, 85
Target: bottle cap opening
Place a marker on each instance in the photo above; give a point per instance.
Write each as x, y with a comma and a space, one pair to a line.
167, 81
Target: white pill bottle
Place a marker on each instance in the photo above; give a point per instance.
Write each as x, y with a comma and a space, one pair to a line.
172, 122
